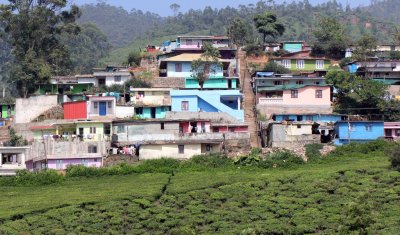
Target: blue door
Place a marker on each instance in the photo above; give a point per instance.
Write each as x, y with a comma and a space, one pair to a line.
102, 108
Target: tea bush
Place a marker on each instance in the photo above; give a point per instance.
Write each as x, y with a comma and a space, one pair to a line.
281, 159
313, 153
26, 178
394, 157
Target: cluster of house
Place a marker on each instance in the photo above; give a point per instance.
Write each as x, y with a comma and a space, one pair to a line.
298, 105
176, 119
172, 119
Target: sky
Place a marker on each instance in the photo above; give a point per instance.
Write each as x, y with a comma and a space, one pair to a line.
161, 7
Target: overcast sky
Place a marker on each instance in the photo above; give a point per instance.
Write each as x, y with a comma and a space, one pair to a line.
161, 7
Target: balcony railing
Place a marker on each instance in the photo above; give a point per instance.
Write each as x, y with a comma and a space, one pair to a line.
264, 100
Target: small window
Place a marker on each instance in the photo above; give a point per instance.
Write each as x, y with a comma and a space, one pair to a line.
294, 93
286, 117
162, 126
318, 94
316, 83
231, 129
92, 130
397, 131
208, 148
299, 82
109, 104
300, 64
319, 64
368, 127
59, 164
352, 127
309, 118
181, 149
139, 111
185, 106
85, 162
121, 129
299, 118
117, 78
287, 64
95, 105
298, 126
178, 67
92, 149
216, 129
277, 83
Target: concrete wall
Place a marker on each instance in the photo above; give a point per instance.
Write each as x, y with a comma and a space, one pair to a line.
125, 111
172, 151
110, 80
268, 110
282, 136
28, 109
313, 117
93, 80
214, 117
359, 130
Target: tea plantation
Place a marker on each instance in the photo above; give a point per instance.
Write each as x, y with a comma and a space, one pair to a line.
353, 190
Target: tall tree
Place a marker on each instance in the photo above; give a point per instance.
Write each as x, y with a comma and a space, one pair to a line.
365, 47
206, 65
330, 38
175, 8
267, 24
239, 33
34, 28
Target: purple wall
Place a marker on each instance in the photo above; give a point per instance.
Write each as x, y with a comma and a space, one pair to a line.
52, 164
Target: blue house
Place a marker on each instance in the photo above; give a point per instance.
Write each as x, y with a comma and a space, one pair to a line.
228, 101
326, 118
222, 74
358, 131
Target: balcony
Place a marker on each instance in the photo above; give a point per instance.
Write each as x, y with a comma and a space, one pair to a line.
265, 100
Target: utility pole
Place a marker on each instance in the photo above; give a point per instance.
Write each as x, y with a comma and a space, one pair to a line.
349, 128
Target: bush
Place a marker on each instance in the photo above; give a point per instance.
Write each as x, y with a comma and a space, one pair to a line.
252, 159
313, 152
363, 148
394, 157
204, 162
26, 178
281, 159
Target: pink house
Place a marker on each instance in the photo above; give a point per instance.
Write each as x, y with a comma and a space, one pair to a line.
392, 130
295, 99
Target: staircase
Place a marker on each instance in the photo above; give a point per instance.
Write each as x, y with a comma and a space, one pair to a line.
4, 134
249, 100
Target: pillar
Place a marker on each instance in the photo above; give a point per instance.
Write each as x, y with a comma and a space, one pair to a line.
1, 159
239, 103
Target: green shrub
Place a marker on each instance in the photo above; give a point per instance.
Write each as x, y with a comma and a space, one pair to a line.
394, 157
204, 162
281, 159
26, 178
362, 148
252, 159
163, 165
313, 152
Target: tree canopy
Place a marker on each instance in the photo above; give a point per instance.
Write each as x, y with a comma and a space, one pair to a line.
330, 39
203, 67
267, 24
33, 28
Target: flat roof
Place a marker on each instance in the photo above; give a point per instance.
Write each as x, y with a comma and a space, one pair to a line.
189, 57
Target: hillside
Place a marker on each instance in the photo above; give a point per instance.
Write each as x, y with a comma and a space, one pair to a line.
208, 196
129, 31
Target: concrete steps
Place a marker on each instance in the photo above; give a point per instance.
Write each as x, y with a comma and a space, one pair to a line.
249, 100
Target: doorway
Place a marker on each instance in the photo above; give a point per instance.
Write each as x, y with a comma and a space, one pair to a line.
102, 108
153, 112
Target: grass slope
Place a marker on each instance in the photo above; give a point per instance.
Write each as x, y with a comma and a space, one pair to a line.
329, 196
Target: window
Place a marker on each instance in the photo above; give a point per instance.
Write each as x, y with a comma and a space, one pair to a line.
117, 78
109, 104
397, 132
185, 106
300, 82
300, 64
59, 164
368, 127
120, 129
178, 67
139, 111
162, 126
294, 93
309, 118
85, 162
92, 149
287, 64
318, 94
208, 148
181, 149
95, 105
299, 118
298, 126
276, 83
216, 129
319, 64
286, 117
316, 83
352, 127
92, 130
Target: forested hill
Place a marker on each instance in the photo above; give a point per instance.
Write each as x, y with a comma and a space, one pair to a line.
119, 25
124, 28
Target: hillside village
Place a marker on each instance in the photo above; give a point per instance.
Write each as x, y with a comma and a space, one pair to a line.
238, 107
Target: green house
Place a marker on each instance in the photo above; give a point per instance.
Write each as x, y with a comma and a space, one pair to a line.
7, 107
306, 64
